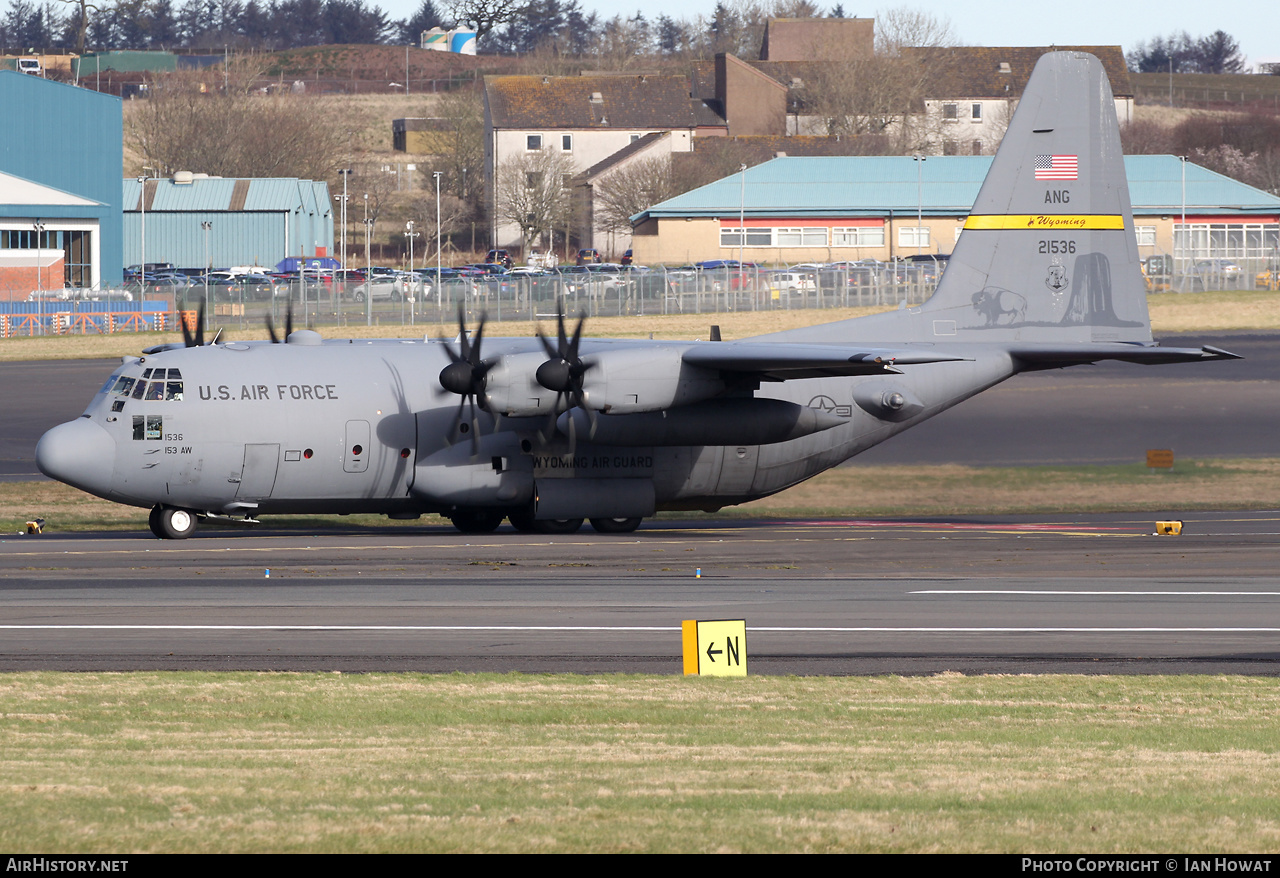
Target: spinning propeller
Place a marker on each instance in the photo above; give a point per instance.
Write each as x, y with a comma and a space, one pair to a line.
564, 372
196, 339
288, 326
465, 375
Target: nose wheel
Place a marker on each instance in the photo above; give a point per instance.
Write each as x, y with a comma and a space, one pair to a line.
171, 523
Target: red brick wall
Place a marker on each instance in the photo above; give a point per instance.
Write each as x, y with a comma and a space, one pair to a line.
17, 281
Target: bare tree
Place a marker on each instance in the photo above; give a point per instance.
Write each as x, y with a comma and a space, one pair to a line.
485, 15
632, 189
533, 192
461, 143
855, 95
199, 120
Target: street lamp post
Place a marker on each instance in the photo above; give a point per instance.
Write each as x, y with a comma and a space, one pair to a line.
142, 235
206, 225
742, 228
346, 173
439, 292
410, 234
368, 268
1177, 263
919, 160
38, 226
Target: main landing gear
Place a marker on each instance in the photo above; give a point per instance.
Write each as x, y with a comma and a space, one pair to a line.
171, 523
528, 524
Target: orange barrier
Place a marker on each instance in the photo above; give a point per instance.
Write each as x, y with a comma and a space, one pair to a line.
83, 323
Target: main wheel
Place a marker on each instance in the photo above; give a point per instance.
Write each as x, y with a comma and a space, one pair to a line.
557, 525
176, 524
521, 521
615, 525
153, 522
476, 521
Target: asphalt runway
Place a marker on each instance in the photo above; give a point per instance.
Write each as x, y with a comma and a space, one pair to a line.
1096, 594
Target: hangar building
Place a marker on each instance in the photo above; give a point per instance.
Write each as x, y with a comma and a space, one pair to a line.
61, 150
258, 221
825, 209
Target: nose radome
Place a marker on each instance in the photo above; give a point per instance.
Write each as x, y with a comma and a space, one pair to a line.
80, 453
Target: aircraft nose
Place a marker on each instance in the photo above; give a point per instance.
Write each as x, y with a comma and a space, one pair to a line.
80, 453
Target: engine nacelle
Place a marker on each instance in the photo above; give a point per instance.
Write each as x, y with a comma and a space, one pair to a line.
645, 379
711, 422
512, 389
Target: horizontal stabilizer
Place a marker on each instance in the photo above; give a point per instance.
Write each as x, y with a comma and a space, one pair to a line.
790, 361
1032, 357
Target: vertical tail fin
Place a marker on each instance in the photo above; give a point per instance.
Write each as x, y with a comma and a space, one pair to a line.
1048, 253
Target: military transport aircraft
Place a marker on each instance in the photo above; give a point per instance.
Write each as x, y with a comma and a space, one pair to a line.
547, 432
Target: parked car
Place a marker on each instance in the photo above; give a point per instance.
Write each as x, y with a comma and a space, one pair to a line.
791, 282
1217, 266
384, 287
502, 257
238, 288
588, 255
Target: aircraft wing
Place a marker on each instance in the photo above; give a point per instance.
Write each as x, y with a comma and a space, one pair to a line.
785, 362
1053, 356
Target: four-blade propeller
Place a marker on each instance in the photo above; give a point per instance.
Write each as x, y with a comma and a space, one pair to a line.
465, 375
564, 372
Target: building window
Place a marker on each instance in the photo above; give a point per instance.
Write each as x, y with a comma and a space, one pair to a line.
566, 143
532, 179
1226, 240
533, 142
811, 237
975, 112
755, 237
950, 147
859, 236
913, 236
1146, 236
977, 147
950, 112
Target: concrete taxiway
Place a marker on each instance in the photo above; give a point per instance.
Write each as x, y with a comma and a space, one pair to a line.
1091, 594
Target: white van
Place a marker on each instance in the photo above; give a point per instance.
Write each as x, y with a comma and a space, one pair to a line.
31, 66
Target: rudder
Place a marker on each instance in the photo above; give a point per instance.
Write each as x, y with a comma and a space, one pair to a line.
1048, 253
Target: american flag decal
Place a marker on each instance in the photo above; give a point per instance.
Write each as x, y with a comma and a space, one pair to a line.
1057, 167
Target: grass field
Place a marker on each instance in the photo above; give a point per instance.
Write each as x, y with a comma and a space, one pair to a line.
1190, 312
204, 762
854, 491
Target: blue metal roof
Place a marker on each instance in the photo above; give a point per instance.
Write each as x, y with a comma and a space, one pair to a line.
215, 193
879, 185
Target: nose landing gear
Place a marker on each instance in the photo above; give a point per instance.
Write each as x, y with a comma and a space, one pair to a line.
172, 523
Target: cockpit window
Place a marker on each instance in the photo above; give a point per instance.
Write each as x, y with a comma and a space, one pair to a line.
165, 384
